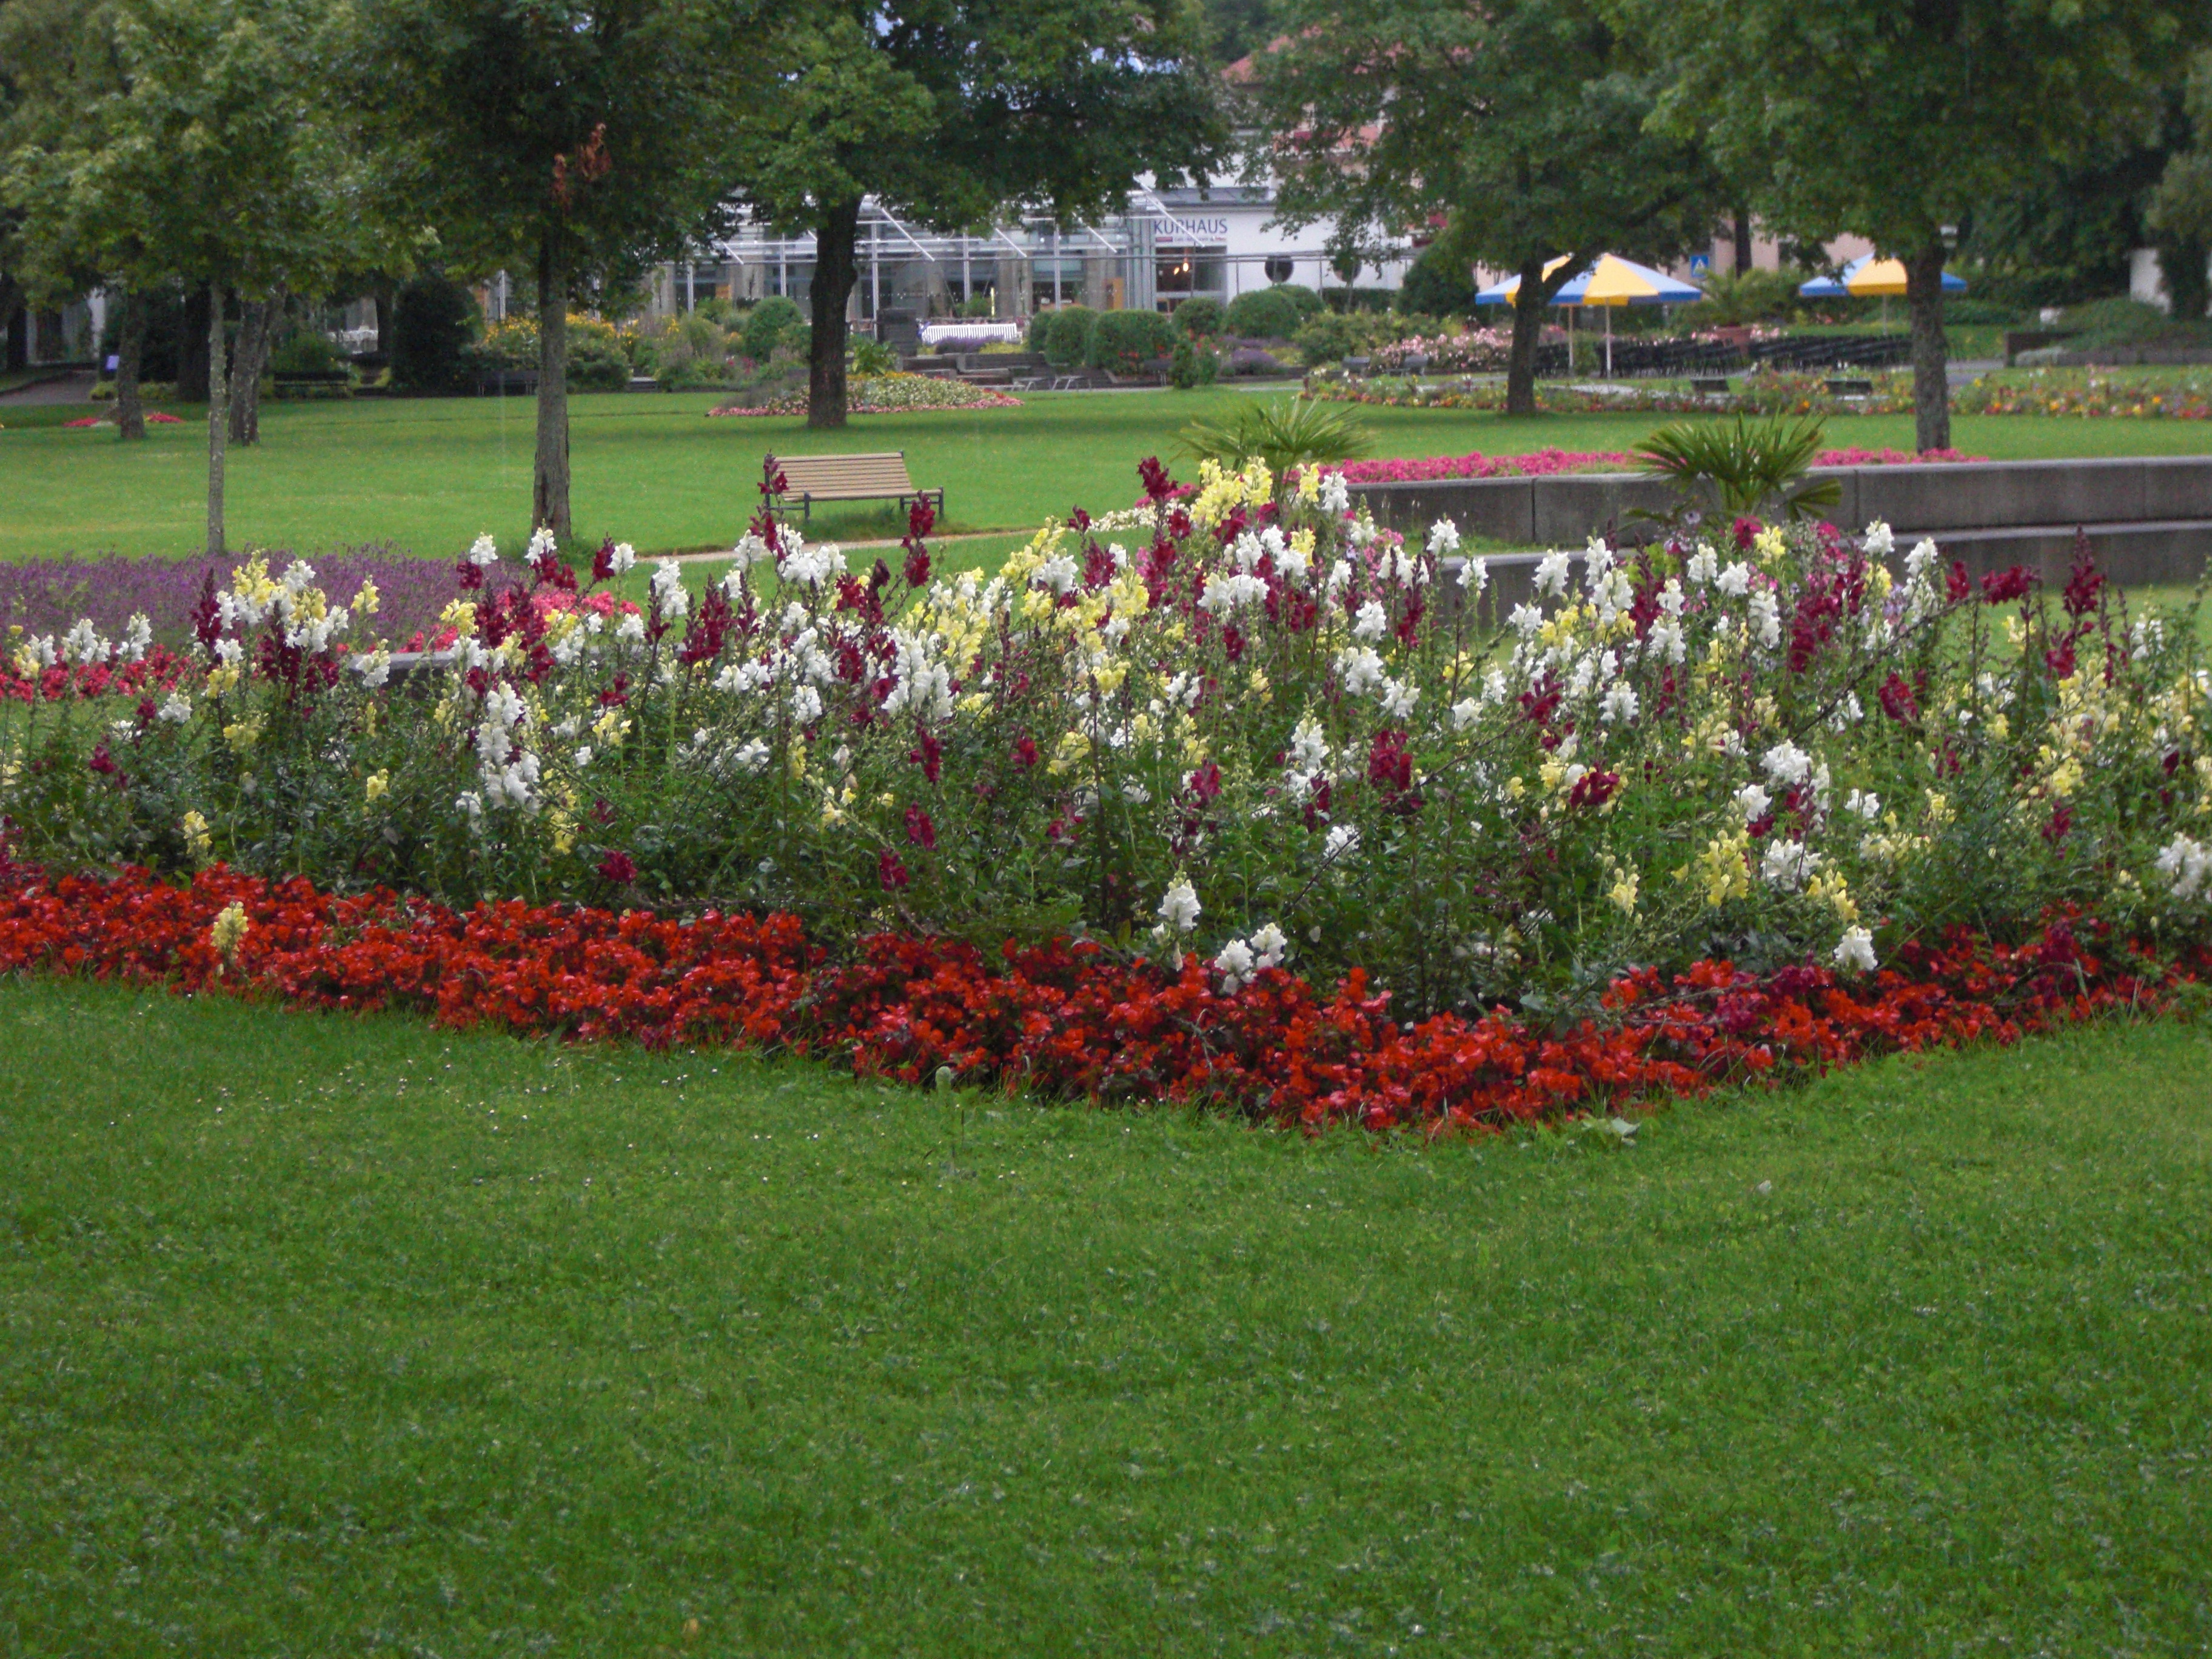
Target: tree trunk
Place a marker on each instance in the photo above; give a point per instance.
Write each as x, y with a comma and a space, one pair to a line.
129, 353
247, 363
836, 267
1742, 241
549, 508
192, 349
15, 349
1931, 386
384, 296
218, 419
1527, 334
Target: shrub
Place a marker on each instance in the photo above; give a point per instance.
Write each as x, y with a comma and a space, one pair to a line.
1265, 314
1127, 341
433, 321
1068, 336
1192, 365
1332, 336
1744, 465
1197, 317
774, 321
305, 351
1286, 433
1733, 301
871, 357
597, 362
1307, 302
1441, 286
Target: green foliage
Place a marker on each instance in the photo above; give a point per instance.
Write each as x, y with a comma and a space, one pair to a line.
1067, 335
1192, 364
1439, 282
597, 363
1263, 313
1284, 432
1332, 336
305, 351
1743, 465
433, 323
774, 321
1198, 316
1733, 299
872, 357
1127, 341
2120, 321
1308, 301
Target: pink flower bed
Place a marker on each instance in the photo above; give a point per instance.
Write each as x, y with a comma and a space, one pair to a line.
1544, 463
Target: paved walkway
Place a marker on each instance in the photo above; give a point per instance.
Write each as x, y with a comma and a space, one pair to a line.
72, 386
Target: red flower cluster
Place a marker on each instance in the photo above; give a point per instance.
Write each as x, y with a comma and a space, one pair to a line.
158, 670
1066, 1018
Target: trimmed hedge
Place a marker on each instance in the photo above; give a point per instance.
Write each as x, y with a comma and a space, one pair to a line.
1066, 336
1125, 340
1265, 313
1198, 316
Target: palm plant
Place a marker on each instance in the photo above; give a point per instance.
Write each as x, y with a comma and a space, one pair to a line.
1743, 465
1287, 432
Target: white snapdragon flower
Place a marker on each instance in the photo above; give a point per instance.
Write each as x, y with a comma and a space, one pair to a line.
1703, 565
1754, 802
582, 756
229, 652
1526, 619
1789, 864
1863, 803
1848, 713
2185, 863
1179, 907
470, 803
1398, 699
176, 708
484, 551
1059, 572
1619, 706
1226, 592
1135, 793
1766, 619
1552, 573
1444, 537
749, 551
751, 757
1309, 749
137, 637
1920, 559
668, 589
1362, 671
1335, 494
1235, 963
631, 630
1855, 951
82, 643
542, 544
1340, 840
806, 705
1736, 580
1270, 945
1879, 542
1371, 622
1787, 764
1474, 574
374, 667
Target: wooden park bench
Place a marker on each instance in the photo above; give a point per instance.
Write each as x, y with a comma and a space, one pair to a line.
811, 478
1847, 387
1708, 384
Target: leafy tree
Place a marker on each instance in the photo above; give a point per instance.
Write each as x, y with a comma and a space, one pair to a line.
582, 142
2181, 211
1892, 122
202, 150
1524, 121
948, 111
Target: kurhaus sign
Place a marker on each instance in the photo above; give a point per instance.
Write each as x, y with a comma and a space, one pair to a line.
1194, 230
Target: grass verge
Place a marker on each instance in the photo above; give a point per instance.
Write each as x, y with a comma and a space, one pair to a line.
427, 475
333, 1335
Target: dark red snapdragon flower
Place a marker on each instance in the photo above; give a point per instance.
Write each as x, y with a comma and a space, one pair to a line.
891, 871
618, 868
1897, 700
920, 831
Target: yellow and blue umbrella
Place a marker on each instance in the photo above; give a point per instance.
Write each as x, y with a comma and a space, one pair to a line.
1608, 281
1867, 274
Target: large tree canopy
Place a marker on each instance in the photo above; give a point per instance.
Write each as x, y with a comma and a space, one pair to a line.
2181, 211
1522, 122
1892, 121
581, 140
947, 112
192, 139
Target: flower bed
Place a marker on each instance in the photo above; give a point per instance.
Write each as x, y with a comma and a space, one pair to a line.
2090, 393
891, 394
1547, 463
1064, 1019
1767, 393
1247, 727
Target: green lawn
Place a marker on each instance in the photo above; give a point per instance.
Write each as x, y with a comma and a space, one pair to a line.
428, 476
333, 1336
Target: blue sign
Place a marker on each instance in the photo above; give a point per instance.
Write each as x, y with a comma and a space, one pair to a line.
1701, 263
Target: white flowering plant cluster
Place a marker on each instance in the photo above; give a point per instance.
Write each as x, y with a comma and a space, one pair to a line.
1245, 723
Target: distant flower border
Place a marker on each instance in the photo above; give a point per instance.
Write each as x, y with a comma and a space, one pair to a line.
890, 394
1066, 1020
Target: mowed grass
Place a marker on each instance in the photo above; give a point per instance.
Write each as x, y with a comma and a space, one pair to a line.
428, 476
329, 1335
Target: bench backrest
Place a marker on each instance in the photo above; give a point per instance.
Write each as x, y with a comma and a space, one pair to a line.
846, 475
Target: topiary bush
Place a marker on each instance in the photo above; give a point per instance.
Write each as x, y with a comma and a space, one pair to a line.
1126, 341
1332, 336
1305, 299
1265, 313
1068, 336
774, 321
1198, 316
1445, 287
